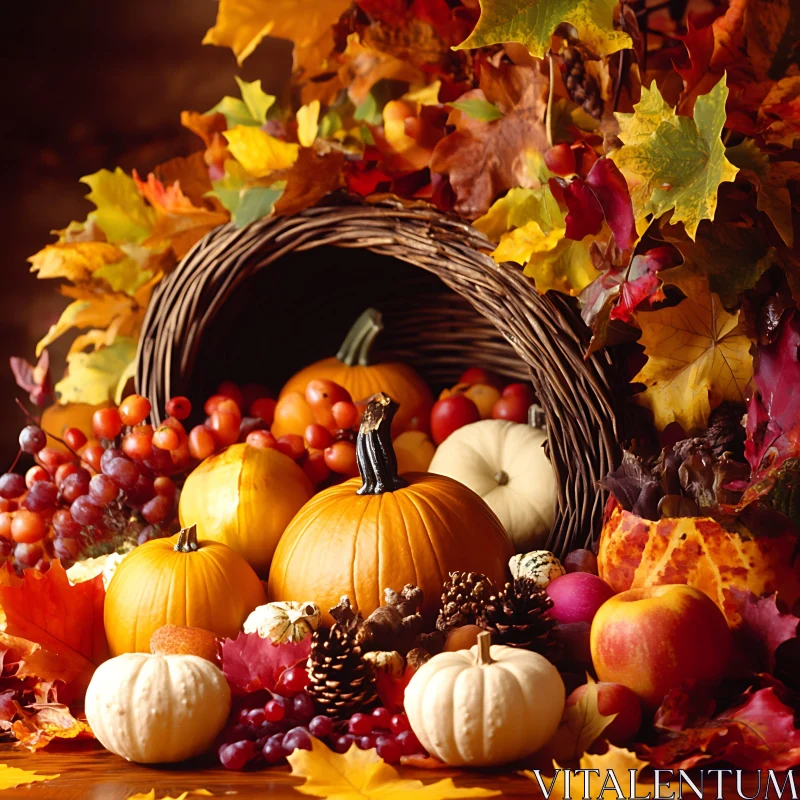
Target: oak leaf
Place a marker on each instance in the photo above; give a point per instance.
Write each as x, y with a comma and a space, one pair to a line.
364, 774
11, 777
533, 24
66, 620
616, 771
698, 355
242, 24
121, 212
681, 163
581, 725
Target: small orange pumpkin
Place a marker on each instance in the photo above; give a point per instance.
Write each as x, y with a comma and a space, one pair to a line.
636, 552
178, 581
351, 369
384, 531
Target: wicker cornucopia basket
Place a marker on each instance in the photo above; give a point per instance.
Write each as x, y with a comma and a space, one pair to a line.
222, 313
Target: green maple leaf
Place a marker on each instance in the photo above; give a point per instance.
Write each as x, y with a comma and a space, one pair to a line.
681, 163
532, 24
481, 110
649, 113
250, 110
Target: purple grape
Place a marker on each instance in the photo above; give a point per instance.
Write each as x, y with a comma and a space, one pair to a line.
150, 532
321, 726
250, 424
303, 706
41, 496
108, 456
75, 485
297, 739
409, 743
123, 471
32, 439
27, 554
273, 751
237, 754
65, 526
341, 744
103, 489
389, 749
366, 742
6, 547
67, 550
255, 717
86, 512
12, 486
141, 493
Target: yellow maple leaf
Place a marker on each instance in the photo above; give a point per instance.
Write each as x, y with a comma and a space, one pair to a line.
75, 261
581, 725
258, 152
363, 774
121, 212
242, 24
616, 772
11, 777
307, 123
94, 377
151, 795
698, 356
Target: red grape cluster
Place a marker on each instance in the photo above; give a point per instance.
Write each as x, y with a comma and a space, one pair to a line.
266, 733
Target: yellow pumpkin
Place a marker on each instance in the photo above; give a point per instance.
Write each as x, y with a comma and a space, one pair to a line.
414, 451
245, 497
351, 369
636, 552
384, 531
178, 581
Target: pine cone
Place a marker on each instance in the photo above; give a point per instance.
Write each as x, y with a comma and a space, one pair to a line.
341, 681
582, 88
517, 616
725, 432
463, 598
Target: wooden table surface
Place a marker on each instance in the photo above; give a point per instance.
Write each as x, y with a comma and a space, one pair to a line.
88, 771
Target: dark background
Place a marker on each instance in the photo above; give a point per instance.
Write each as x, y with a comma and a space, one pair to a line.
90, 84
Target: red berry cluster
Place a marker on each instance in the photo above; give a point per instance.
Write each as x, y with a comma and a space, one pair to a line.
262, 734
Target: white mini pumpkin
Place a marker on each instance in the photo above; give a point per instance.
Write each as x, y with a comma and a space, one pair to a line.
155, 709
485, 706
505, 463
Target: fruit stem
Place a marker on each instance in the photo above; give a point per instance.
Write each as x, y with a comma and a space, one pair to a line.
484, 657
377, 463
356, 345
548, 114
187, 540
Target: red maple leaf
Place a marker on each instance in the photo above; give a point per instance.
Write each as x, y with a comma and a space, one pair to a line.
61, 625
251, 663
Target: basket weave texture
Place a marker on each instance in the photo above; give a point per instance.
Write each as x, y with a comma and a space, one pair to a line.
488, 315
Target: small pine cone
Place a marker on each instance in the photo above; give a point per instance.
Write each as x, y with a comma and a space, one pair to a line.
341, 681
463, 599
517, 616
725, 432
582, 88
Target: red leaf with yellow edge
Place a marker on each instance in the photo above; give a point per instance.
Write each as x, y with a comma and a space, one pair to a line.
251, 663
65, 621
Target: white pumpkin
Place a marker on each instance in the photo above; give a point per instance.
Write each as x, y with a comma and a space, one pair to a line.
485, 706
155, 709
505, 463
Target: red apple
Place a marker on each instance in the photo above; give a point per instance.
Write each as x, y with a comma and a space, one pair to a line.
657, 637
614, 698
481, 375
522, 390
451, 413
576, 596
511, 407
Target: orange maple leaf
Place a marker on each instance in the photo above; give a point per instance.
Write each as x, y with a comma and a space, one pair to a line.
65, 622
47, 721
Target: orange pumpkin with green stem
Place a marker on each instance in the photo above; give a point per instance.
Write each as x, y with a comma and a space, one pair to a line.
383, 531
351, 368
178, 581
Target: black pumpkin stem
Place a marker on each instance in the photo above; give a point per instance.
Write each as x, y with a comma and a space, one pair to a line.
355, 347
187, 540
377, 463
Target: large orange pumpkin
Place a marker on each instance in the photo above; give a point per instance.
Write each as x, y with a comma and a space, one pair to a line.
245, 497
636, 552
351, 369
178, 581
384, 531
